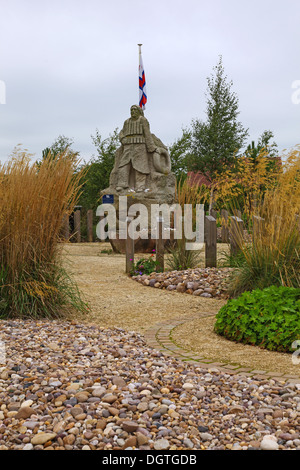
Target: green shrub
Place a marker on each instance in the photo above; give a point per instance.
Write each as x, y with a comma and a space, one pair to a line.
144, 266
268, 318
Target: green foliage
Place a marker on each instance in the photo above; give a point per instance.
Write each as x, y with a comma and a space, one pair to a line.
179, 258
216, 142
61, 146
99, 169
263, 144
180, 155
268, 318
144, 266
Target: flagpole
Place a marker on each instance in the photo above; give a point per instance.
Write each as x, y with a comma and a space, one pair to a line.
140, 51
142, 81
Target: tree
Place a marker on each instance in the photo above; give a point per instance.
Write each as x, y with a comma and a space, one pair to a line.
62, 145
99, 169
180, 154
216, 143
270, 149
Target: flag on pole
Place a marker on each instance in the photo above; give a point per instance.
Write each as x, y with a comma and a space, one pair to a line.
142, 82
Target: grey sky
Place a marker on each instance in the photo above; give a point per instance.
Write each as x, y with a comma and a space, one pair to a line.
71, 67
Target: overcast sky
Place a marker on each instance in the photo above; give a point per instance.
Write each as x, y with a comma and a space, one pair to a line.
71, 67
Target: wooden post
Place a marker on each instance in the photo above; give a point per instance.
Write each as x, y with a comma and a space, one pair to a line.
90, 226
210, 238
160, 245
236, 234
77, 229
66, 227
257, 226
129, 247
225, 227
213, 213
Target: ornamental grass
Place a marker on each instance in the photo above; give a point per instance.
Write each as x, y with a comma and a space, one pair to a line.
34, 200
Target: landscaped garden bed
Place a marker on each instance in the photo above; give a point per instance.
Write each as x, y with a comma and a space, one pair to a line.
203, 282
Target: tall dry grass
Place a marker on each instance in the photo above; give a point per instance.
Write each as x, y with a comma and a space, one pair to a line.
33, 202
273, 256
179, 257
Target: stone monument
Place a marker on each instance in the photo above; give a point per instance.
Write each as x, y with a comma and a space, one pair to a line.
142, 169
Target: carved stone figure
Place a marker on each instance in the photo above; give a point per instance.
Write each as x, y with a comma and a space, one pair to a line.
142, 173
142, 163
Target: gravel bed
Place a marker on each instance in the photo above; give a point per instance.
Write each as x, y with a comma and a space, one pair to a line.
201, 282
64, 385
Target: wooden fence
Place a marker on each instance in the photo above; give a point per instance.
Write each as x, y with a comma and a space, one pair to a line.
232, 233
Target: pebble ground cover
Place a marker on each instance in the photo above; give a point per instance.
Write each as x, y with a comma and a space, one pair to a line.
65, 385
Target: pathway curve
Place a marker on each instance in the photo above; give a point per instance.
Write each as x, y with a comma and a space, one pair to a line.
118, 301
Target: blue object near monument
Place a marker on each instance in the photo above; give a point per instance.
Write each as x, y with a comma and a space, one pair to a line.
108, 199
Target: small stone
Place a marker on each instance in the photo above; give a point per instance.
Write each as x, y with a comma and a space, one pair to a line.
109, 398
24, 412
206, 436
236, 409
130, 442
141, 439
188, 386
119, 382
82, 396
188, 443
98, 392
27, 403
69, 439
76, 411
269, 442
28, 447
130, 426
42, 437
161, 444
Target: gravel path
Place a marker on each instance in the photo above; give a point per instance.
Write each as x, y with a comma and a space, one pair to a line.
72, 386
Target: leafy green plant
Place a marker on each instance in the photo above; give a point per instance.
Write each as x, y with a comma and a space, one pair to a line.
144, 266
106, 251
268, 318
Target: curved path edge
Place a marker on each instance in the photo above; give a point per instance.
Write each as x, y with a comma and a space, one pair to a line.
159, 337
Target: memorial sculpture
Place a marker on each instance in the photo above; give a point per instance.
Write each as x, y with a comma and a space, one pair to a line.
142, 169
142, 162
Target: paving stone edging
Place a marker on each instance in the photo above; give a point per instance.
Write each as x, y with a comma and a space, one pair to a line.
159, 337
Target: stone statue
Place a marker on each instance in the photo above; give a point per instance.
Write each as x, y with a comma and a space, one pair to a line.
142, 173
142, 163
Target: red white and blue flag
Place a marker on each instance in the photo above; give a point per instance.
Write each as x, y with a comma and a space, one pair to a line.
142, 84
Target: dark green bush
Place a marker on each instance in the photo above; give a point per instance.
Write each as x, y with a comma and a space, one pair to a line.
268, 318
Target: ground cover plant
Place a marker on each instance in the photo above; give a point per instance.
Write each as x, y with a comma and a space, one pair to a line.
34, 200
145, 266
268, 318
